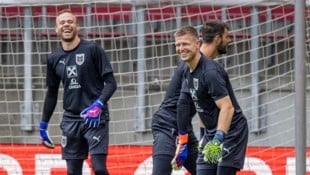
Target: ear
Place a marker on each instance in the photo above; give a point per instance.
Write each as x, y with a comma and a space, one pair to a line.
78, 27
217, 39
198, 43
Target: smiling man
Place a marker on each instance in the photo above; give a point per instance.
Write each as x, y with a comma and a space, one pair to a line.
223, 147
87, 77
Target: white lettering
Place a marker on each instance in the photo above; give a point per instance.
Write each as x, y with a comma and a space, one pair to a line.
291, 165
45, 162
256, 165
10, 165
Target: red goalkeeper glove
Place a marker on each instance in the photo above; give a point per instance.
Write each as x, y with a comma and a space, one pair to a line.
181, 152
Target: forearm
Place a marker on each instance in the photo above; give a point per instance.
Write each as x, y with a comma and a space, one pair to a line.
225, 118
109, 88
184, 114
49, 104
226, 113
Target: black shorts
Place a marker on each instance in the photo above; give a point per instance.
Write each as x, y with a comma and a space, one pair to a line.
78, 139
234, 148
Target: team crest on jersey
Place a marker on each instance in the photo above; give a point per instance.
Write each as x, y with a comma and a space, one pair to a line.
195, 81
63, 141
80, 58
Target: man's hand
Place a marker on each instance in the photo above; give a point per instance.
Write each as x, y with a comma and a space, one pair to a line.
91, 114
181, 152
213, 149
46, 140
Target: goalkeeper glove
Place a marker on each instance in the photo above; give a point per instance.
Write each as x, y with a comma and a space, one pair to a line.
181, 152
46, 140
91, 114
213, 149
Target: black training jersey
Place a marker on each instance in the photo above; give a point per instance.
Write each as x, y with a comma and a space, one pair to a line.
208, 83
82, 72
166, 115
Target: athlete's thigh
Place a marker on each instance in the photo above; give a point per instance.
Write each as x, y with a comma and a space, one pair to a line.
98, 138
164, 143
74, 146
234, 147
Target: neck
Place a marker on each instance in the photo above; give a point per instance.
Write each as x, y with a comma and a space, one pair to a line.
209, 50
67, 46
194, 62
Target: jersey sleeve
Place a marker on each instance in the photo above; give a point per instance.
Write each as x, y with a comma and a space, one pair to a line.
52, 82
106, 72
102, 61
185, 106
216, 84
185, 112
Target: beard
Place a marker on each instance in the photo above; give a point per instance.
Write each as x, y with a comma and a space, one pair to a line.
69, 39
222, 49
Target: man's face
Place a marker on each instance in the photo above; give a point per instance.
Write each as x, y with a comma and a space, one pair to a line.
186, 47
225, 40
67, 27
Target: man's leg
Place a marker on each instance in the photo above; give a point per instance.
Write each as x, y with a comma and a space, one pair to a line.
99, 162
162, 164
74, 166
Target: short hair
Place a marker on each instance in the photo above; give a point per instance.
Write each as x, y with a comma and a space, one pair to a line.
212, 28
186, 30
64, 11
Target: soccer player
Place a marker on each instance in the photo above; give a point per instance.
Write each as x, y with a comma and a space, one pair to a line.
88, 81
223, 147
165, 130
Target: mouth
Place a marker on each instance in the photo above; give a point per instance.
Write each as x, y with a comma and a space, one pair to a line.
183, 54
67, 31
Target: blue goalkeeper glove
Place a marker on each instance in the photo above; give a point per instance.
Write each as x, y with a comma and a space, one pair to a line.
213, 149
181, 152
91, 114
46, 140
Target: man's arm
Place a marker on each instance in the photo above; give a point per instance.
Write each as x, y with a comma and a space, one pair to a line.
49, 103
184, 111
109, 87
226, 113
48, 109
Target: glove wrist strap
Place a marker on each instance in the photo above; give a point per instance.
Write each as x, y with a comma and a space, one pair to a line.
183, 138
219, 135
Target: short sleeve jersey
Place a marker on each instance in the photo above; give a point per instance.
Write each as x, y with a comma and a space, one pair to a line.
81, 72
208, 83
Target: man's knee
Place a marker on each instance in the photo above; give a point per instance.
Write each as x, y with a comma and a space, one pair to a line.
99, 164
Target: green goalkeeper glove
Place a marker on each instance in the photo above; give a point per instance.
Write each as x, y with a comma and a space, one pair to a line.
213, 149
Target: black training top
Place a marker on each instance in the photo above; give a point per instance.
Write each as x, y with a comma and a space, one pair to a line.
86, 75
208, 83
166, 116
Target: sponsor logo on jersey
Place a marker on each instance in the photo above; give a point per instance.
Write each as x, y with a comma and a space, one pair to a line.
62, 61
74, 84
195, 99
72, 71
80, 58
